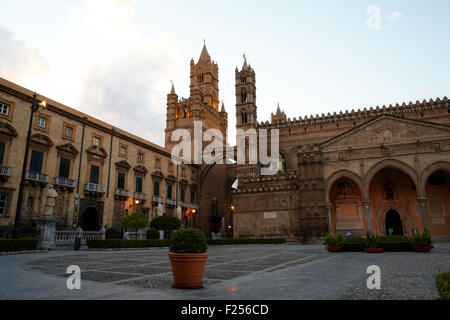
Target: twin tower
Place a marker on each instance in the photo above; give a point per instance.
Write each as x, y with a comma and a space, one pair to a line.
203, 102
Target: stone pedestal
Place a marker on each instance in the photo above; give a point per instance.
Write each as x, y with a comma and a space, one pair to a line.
47, 228
47, 222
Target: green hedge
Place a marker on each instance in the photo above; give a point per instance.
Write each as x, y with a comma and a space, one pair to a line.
119, 243
112, 243
24, 244
443, 285
387, 243
246, 241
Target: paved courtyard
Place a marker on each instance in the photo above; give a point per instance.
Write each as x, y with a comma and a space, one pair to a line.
288, 271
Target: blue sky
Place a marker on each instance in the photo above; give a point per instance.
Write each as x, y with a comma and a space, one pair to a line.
114, 59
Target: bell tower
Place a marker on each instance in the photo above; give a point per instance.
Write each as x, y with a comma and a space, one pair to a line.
246, 116
205, 77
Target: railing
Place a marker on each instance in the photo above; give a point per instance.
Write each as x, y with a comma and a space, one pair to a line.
64, 182
36, 176
184, 204
141, 235
140, 196
95, 187
5, 171
122, 192
65, 238
158, 199
172, 202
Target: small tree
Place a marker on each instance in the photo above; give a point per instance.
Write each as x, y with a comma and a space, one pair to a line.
136, 220
166, 223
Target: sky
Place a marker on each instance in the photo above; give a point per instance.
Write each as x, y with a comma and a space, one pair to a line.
115, 59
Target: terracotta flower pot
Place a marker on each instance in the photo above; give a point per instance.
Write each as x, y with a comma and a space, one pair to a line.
421, 249
373, 250
187, 269
330, 249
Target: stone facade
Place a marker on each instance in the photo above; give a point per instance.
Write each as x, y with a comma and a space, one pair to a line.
385, 170
65, 145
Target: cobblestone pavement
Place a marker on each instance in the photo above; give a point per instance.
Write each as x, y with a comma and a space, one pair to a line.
289, 271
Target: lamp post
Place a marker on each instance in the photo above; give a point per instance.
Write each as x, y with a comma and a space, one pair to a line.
34, 108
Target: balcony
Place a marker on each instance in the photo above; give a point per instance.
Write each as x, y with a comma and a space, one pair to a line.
140, 196
93, 189
121, 194
35, 177
171, 202
65, 183
184, 204
5, 173
158, 199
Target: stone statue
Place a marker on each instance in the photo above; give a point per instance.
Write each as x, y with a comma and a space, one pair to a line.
47, 222
179, 213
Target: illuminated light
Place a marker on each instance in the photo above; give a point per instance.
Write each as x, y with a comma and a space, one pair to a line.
137, 202
193, 210
229, 227
233, 288
43, 104
232, 207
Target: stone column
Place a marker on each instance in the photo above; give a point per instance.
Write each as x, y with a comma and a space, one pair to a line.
330, 227
366, 205
47, 222
423, 207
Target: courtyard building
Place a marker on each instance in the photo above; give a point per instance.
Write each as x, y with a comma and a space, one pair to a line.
383, 169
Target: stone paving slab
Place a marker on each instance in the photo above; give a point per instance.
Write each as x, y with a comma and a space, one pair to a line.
289, 271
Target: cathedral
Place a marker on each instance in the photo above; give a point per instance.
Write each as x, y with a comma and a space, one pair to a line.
384, 170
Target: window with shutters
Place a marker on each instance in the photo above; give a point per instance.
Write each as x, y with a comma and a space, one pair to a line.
2, 152
95, 174
37, 158
64, 168
156, 188
139, 184
3, 204
120, 180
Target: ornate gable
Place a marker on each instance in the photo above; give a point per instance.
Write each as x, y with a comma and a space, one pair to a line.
387, 130
68, 147
123, 164
42, 140
7, 129
140, 169
97, 151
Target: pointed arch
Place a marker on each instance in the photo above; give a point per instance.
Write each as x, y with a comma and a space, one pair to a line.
394, 164
342, 174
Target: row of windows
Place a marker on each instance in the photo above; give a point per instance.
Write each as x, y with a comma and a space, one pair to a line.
139, 183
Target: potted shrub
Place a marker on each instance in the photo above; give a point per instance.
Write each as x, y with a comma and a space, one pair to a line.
422, 242
188, 255
371, 244
334, 244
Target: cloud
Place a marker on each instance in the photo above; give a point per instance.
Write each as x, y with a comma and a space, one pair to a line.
394, 16
130, 93
17, 61
110, 19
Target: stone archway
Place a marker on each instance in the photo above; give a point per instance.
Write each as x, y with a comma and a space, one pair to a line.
393, 223
403, 212
393, 164
89, 219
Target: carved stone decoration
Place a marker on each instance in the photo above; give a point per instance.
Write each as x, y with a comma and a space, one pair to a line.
7, 129
140, 169
123, 164
41, 139
68, 148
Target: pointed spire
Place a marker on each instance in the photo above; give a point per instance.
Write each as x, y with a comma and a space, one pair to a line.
278, 109
204, 56
173, 89
245, 66
223, 107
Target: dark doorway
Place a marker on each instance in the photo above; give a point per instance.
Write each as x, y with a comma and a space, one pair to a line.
90, 220
393, 223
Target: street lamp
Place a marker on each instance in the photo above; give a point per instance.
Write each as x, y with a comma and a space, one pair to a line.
34, 107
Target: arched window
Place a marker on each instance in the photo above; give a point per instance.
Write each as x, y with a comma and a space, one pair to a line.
244, 97
245, 117
184, 112
177, 113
